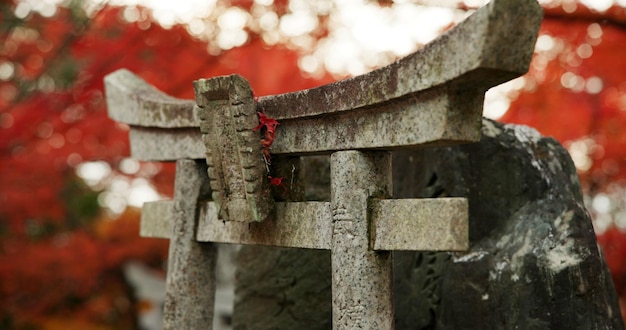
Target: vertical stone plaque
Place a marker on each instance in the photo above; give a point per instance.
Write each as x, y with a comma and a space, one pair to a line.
237, 170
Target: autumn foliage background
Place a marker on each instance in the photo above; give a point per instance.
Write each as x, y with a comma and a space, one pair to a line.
64, 239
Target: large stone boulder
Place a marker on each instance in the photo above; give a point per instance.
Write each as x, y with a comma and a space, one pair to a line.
533, 261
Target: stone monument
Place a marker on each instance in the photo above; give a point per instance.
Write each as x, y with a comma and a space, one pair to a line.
533, 261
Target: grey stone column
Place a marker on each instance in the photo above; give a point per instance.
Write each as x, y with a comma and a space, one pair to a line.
361, 277
190, 292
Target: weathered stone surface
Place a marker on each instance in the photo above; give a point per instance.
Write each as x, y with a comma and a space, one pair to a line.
156, 219
533, 261
224, 286
132, 101
492, 46
286, 288
432, 118
270, 295
191, 264
234, 154
158, 144
303, 225
395, 224
432, 97
438, 224
362, 278
440, 116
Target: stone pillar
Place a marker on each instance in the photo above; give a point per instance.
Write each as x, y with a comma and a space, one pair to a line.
190, 293
361, 277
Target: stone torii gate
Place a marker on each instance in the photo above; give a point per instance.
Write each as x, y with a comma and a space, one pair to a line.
431, 98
